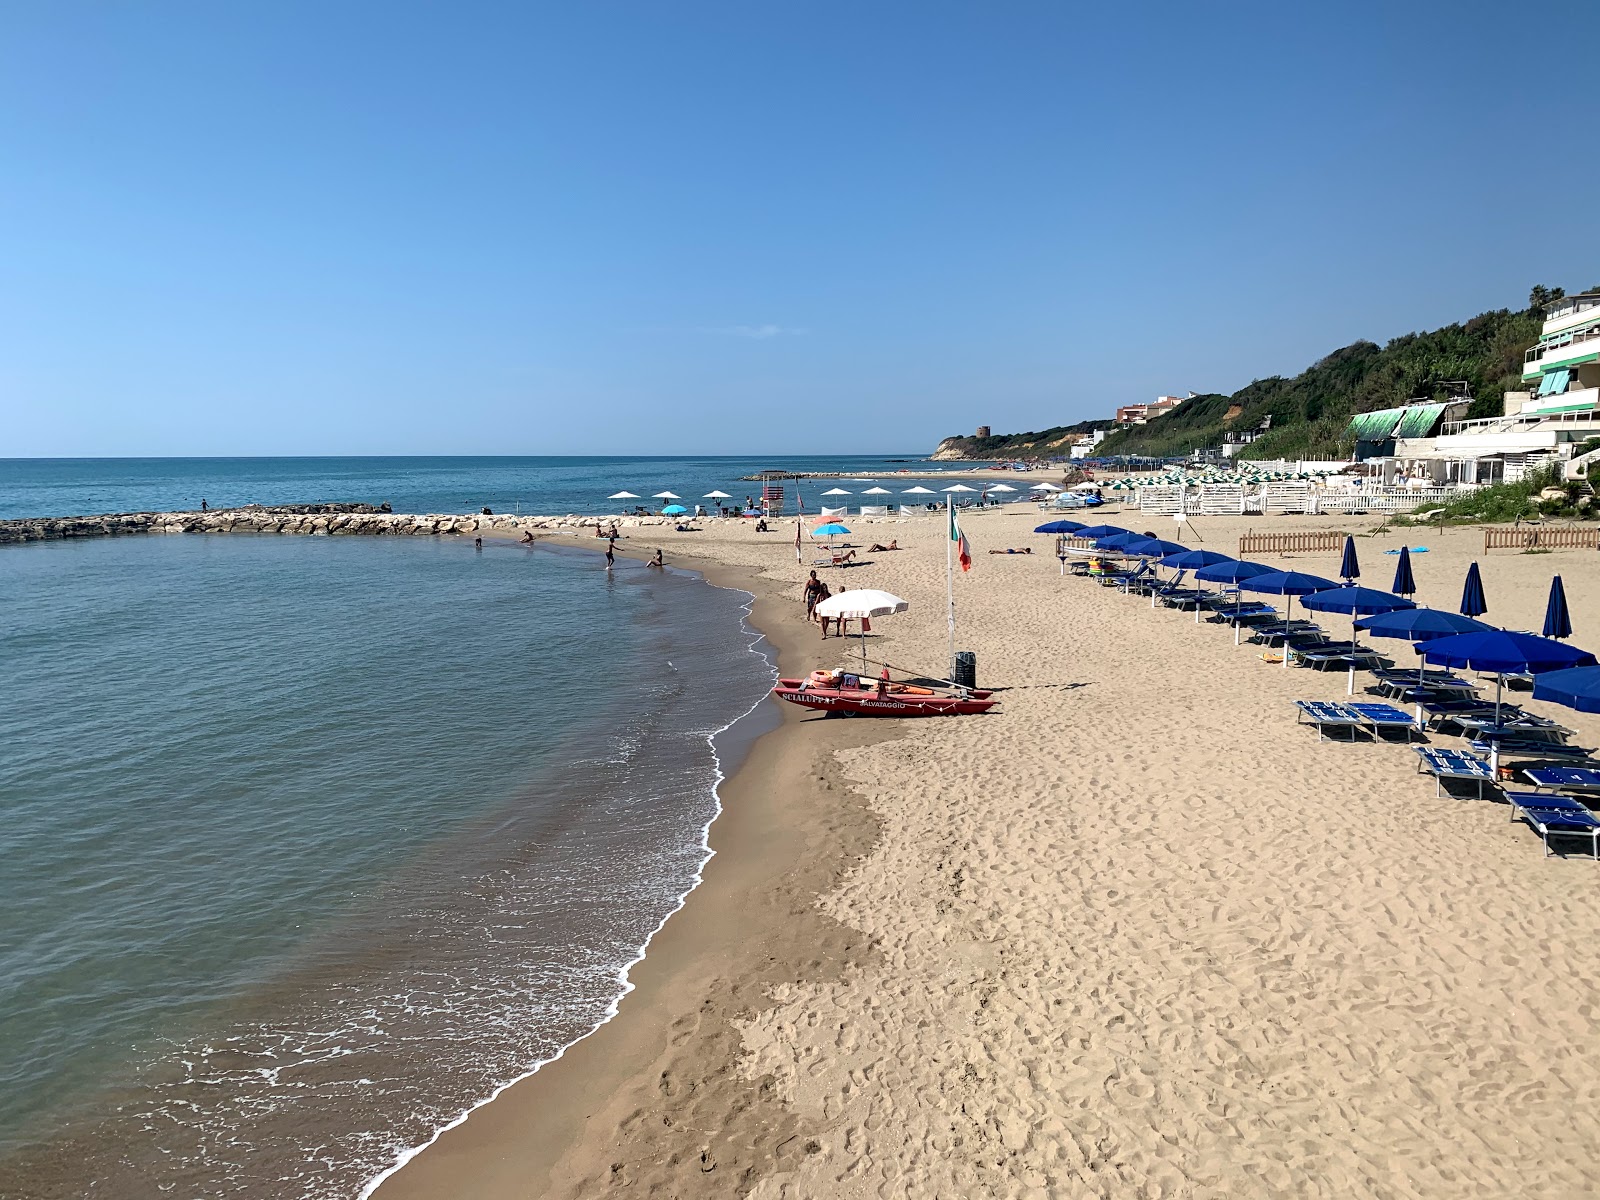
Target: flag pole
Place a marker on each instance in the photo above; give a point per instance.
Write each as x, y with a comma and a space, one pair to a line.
949, 575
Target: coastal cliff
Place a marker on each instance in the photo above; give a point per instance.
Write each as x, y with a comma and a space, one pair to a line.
304, 519
1042, 444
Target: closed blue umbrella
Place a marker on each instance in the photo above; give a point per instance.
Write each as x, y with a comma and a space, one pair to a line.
1358, 602
1503, 653
1557, 621
1404, 584
1473, 603
1576, 687
1349, 568
1287, 583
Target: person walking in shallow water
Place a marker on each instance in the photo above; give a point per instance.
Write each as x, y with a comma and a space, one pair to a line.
611, 555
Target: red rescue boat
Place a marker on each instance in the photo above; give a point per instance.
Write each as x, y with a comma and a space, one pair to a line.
851, 696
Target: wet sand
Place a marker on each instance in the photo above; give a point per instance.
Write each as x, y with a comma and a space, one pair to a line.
1140, 934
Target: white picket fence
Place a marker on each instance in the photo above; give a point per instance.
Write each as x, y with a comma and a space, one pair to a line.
1232, 499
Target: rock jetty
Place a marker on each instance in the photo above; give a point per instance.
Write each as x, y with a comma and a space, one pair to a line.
306, 519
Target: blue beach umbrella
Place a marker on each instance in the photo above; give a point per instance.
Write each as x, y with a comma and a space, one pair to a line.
1576, 687
1060, 527
1118, 541
1152, 548
1473, 603
1419, 625
1233, 572
1101, 531
1349, 568
1404, 583
1358, 602
673, 510
1557, 621
1287, 583
1193, 560
1501, 653
831, 529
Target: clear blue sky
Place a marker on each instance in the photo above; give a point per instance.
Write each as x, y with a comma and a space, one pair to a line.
296, 228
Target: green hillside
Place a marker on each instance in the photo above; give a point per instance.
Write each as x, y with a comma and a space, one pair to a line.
1311, 410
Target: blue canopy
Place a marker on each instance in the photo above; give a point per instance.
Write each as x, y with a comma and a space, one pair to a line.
1059, 527
1193, 560
831, 529
1287, 583
1101, 531
1557, 621
1404, 583
1357, 601
1118, 541
1505, 653
673, 510
1232, 572
1473, 603
1420, 624
1349, 568
1576, 687
1152, 548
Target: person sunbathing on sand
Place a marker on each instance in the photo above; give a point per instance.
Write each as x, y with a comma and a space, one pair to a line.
880, 548
1008, 550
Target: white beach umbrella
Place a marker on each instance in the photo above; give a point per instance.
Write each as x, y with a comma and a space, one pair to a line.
622, 496
1002, 487
1044, 487
919, 491
836, 492
666, 496
716, 496
877, 491
960, 487
858, 603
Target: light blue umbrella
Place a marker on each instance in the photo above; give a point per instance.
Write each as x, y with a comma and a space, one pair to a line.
673, 510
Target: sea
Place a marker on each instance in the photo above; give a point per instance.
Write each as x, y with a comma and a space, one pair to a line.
309, 845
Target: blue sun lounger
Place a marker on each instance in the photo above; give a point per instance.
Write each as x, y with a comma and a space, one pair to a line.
1560, 816
1445, 764
1384, 716
1572, 779
1324, 714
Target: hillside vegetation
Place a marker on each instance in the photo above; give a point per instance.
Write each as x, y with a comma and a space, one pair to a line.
1311, 411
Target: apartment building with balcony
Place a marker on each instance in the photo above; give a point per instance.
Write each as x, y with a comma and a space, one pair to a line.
1139, 414
1562, 372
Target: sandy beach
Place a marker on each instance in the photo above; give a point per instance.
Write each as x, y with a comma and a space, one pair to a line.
1138, 934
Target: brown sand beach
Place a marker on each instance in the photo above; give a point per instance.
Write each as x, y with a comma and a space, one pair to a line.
1137, 934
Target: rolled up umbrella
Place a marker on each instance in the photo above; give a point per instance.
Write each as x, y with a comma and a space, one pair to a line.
1473, 603
1404, 583
1557, 620
1349, 568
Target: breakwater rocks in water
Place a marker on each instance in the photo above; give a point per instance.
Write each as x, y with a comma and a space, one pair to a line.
310, 519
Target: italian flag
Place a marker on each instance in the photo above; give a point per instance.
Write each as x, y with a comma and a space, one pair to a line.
963, 551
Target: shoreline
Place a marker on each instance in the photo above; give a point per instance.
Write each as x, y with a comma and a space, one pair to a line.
699, 964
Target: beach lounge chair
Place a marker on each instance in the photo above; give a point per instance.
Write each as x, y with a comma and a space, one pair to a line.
1571, 779
1444, 764
1506, 746
1383, 717
1325, 715
1561, 816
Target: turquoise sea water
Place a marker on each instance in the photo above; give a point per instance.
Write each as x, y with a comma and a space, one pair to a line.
545, 485
308, 844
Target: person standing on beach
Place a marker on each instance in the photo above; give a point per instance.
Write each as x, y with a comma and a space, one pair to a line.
814, 590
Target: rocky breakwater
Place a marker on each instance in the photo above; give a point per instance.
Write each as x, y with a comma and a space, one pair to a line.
307, 519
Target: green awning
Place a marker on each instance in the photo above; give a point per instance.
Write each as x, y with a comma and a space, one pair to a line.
1417, 420
1555, 382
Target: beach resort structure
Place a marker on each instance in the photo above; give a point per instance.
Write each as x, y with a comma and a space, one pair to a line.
1547, 422
1139, 414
